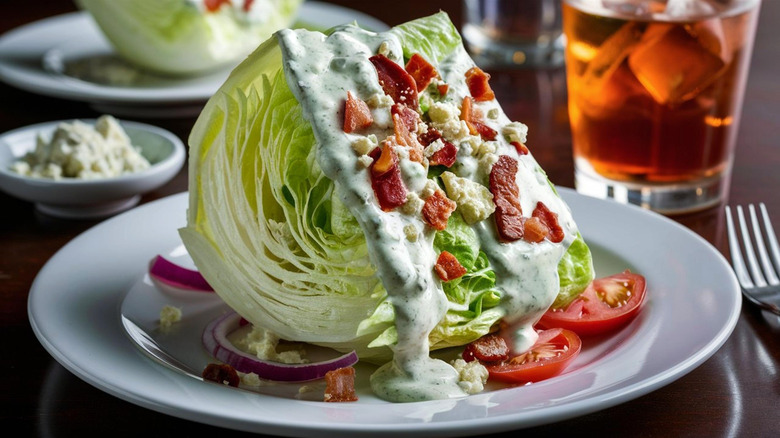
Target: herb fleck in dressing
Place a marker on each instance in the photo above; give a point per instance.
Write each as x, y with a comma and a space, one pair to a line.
320, 70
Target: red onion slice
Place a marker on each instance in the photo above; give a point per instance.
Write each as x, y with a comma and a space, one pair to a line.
178, 276
216, 342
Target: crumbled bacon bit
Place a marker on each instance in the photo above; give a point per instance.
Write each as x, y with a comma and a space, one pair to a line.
506, 197
448, 267
395, 81
429, 136
356, 114
384, 160
340, 385
521, 148
386, 177
534, 230
488, 348
446, 156
477, 81
465, 114
437, 210
550, 220
421, 70
473, 119
405, 127
214, 5
485, 131
408, 116
223, 374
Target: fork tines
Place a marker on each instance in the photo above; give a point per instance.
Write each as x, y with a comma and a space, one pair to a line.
760, 276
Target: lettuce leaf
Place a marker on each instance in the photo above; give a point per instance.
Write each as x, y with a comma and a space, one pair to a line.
575, 271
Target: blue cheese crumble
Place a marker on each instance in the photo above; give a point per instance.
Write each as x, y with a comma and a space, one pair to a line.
78, 150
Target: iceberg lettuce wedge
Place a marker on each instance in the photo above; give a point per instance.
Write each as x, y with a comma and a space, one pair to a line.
181, 37
283, 222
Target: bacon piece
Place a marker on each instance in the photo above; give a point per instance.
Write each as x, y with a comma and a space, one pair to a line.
214, 5
356, 114
340, 385
465, 114
405, 127
448, 267
409, 117
429, 136
477, 81
223, 374
506, 197
473, 119
421, 70
534, 230
386, 178
488, 348
395, 81
550, 220
443, 89
437, 210
485, 131
446, 156
521, 148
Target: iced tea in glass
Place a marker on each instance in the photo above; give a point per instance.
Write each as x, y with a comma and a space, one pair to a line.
655, 94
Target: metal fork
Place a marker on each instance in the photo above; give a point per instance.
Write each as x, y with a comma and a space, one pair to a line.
760, 284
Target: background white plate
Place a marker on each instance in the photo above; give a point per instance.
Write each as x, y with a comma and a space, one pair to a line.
74, 311
32, 59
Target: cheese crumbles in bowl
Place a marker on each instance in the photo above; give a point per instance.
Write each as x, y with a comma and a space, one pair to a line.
87, 168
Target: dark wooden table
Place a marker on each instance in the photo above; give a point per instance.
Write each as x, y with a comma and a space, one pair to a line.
734, 393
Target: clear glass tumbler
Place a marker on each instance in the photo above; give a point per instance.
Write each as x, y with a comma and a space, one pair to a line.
514, 33
655, 94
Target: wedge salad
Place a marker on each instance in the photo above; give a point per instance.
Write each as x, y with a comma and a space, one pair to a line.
365, 192
188, 37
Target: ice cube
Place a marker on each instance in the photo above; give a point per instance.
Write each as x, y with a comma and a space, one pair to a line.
610, 55
621, 91
688, 9
676, 61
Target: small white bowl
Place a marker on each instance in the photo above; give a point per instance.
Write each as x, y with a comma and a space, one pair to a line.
87, 199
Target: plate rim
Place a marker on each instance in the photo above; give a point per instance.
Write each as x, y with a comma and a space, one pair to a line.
462, 427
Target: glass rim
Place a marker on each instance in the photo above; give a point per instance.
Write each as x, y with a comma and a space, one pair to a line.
587, 6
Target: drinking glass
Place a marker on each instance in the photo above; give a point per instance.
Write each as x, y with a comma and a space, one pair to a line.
655, 94
514, 33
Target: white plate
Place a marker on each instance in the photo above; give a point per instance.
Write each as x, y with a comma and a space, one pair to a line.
35, 57
75, 300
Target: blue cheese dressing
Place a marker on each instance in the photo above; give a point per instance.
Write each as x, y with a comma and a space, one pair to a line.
320, 70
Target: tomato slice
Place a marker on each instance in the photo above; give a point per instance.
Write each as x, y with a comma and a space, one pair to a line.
607, 304
550, 355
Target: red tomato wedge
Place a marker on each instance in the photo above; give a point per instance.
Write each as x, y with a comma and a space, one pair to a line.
550, 355
607, 304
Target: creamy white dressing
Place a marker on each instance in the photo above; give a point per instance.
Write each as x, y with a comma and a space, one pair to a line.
320, 70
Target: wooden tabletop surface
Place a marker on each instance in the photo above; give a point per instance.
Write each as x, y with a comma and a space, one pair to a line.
734, 393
